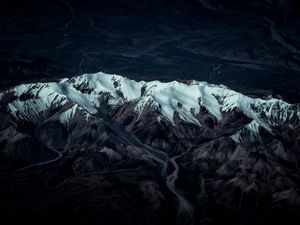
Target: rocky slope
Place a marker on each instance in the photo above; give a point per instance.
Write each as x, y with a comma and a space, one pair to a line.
103, 146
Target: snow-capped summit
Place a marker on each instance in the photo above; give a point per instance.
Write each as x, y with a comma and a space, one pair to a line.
91, 92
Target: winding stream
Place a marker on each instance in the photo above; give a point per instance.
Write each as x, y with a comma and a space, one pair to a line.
184, 209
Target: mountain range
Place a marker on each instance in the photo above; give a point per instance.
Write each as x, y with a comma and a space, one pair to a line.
104, 147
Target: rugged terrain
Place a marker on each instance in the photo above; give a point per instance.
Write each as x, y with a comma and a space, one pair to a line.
104, 149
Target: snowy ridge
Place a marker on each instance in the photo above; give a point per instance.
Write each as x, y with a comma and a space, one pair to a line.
92, 91
34, 99
68, 114
252, 129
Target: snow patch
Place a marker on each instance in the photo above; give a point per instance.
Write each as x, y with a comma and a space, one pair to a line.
65, 117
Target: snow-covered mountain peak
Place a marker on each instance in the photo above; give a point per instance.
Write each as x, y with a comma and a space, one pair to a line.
91, 92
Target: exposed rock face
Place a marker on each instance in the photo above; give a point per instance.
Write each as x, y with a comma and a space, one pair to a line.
101, 145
